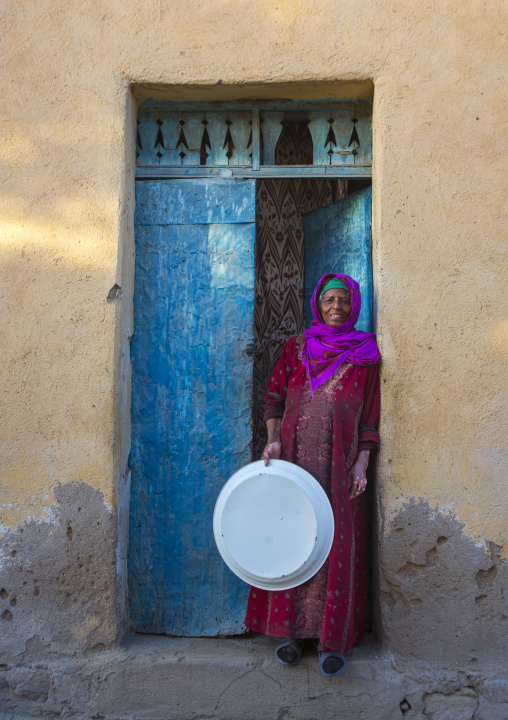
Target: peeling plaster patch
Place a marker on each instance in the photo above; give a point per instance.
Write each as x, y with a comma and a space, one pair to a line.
62, 572
110, 506
448, 510
441, 595
26, 508
48, 515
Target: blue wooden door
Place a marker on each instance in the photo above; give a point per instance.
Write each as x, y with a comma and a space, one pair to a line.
338, 239
191, 398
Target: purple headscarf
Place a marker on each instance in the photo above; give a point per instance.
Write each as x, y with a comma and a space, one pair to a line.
328, 347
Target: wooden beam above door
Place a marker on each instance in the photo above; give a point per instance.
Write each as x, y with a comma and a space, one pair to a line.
265, 171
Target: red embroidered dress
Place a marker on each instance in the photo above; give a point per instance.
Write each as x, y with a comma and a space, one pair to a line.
323, 435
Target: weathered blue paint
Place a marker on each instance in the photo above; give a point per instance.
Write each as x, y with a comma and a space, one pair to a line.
338, 239
271, 129
265, 171
256, 139
341, 137
194, 202
191, 398
218, 135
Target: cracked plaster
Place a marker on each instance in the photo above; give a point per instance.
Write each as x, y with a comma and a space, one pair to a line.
157, 678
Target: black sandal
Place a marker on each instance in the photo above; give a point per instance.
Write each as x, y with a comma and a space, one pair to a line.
289, 652
331, 663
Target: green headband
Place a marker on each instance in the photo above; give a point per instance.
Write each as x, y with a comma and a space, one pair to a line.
332, 284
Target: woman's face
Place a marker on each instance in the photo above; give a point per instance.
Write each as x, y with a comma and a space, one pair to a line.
335, 307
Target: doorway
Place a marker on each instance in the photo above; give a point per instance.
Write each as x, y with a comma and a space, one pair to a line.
220, 284
279, 311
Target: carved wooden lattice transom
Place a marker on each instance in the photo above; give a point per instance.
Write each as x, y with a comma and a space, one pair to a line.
241, 138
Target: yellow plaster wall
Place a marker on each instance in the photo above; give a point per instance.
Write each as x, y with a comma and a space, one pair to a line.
72, 73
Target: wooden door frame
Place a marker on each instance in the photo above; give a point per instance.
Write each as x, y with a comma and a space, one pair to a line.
252, 173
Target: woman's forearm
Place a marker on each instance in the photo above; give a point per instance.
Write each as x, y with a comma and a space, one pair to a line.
358, 474
273, 447
362, 461
273, 427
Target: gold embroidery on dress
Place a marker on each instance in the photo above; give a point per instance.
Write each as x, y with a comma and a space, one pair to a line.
299, 343
315, 424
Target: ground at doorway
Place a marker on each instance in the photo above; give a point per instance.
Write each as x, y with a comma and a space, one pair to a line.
161, 678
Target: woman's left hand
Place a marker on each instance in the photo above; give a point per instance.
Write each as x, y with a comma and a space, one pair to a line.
358, 474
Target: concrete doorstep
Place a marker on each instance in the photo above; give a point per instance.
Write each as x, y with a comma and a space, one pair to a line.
161, 678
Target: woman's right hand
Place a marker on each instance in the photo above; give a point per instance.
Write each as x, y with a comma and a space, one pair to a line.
272, 451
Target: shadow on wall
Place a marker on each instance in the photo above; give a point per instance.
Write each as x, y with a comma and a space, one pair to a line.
440, 594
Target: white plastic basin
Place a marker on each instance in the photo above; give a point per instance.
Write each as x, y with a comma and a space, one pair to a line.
273, 525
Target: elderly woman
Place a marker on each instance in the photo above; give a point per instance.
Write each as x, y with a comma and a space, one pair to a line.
322, 413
